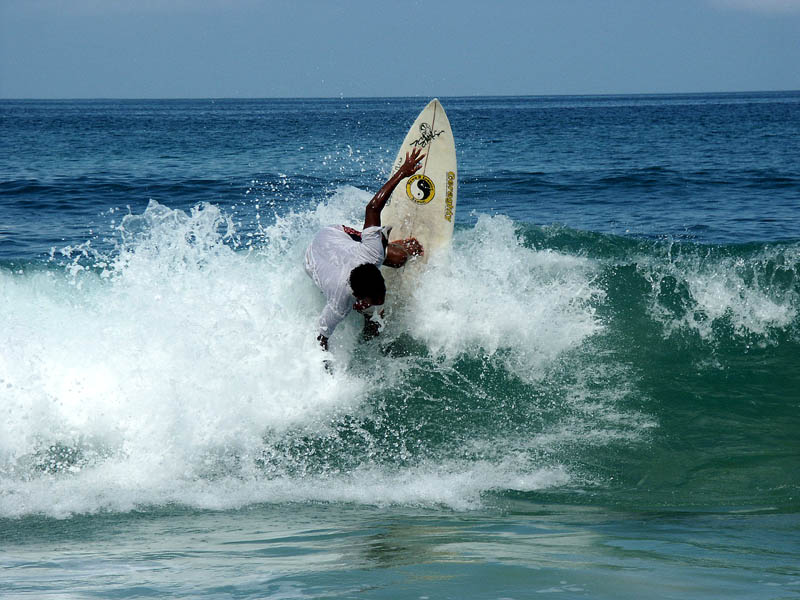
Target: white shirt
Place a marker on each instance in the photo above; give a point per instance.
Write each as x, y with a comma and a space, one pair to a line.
330, 258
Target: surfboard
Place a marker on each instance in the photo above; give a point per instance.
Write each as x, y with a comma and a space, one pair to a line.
424, 205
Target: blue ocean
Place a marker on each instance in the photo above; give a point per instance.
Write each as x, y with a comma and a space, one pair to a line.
594, 394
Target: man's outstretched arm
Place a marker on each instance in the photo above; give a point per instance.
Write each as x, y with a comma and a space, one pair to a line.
372, 216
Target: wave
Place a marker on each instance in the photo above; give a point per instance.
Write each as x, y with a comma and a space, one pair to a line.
722, 293
181, 367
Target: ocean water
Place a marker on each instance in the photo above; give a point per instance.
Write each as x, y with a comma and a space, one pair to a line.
594, 394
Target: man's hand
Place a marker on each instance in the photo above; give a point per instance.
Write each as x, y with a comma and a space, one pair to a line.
412, 163
372, 214
399, 251
411, 246
372, 327
323, 341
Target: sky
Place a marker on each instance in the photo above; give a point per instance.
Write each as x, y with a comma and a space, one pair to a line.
357, 48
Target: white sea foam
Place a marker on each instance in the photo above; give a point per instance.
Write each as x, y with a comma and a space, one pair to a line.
493, 294
748, 294
112, 487
158, 375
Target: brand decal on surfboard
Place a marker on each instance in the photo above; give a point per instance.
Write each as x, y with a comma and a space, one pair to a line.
448, 199
420, 189
427, 135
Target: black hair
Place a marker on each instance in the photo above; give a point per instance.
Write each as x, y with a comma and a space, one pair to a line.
366, 281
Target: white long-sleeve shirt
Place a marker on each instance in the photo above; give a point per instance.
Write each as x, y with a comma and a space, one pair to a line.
330, 258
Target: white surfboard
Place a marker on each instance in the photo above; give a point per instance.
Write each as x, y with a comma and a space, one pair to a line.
424, 205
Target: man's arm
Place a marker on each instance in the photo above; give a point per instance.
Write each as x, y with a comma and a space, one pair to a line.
328, 321
372, 216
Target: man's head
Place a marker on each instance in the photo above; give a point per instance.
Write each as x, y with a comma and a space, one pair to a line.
368, 286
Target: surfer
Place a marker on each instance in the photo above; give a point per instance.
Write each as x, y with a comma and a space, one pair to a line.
345, 263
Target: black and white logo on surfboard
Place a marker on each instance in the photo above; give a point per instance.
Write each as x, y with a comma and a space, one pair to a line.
420, 189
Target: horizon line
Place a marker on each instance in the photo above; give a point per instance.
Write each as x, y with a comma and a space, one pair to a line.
342, 97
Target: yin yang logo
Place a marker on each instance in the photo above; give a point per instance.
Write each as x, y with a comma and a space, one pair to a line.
420, 189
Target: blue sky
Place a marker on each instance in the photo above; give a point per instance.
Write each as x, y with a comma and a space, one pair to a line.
315, 48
